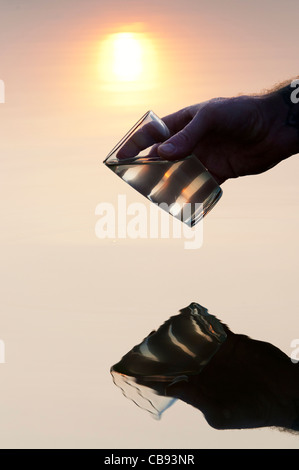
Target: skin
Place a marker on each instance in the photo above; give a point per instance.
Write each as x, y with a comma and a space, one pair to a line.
237, 136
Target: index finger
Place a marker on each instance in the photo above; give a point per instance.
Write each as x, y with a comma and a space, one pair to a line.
145, 137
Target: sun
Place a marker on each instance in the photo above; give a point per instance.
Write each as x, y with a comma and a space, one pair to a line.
127, 61
127, 57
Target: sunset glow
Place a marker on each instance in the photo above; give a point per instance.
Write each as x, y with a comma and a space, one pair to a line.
127, 61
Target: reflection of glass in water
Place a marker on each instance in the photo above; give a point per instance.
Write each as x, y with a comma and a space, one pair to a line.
172, 183
181, 347
143, 396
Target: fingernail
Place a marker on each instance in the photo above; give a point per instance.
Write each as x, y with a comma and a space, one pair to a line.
167, 148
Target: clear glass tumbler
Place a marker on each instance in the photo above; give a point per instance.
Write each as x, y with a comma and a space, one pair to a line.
184, 188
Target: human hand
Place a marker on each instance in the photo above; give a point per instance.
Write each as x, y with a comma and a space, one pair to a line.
232, 137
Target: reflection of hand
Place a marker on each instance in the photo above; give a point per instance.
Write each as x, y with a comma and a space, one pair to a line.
247, 384
232, 136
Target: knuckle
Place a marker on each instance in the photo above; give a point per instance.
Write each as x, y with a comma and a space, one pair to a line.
207, 111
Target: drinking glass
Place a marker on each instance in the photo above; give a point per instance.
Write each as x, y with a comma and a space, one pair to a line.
184, 188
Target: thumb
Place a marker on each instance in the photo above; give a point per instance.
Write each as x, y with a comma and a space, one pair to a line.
181, 145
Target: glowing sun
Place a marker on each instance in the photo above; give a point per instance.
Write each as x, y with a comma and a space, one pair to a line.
127, 58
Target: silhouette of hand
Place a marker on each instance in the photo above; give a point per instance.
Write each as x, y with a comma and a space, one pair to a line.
247, 384
231, 136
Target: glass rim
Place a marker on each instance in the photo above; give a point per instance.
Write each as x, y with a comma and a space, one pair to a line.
129, 133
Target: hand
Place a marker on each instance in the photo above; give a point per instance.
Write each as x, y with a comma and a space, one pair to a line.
232, 136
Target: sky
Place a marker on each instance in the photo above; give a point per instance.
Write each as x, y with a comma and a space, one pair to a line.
73, 304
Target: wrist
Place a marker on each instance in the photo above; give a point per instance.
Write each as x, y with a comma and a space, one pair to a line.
282, 111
